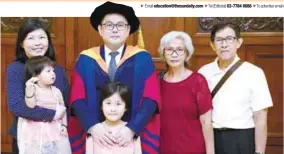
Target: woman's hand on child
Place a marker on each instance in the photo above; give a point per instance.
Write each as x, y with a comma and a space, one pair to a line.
103, 137
124, 136
60, 112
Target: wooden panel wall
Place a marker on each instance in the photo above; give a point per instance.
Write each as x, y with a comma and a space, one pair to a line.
72, 35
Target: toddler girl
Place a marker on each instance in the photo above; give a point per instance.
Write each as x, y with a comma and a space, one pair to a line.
40, 137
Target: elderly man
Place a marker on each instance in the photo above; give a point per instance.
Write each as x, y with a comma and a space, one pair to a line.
114, 61
240, 96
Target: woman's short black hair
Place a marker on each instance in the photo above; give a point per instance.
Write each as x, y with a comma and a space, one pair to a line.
28, 26
35, 65
123, 91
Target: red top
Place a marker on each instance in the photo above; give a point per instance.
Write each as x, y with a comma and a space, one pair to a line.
182, 104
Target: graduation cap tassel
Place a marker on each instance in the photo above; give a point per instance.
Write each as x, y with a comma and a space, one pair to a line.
140, 41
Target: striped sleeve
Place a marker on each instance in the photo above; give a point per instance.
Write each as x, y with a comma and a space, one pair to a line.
78, 94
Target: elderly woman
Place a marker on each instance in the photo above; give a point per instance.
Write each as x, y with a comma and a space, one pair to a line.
33, 40
186, 101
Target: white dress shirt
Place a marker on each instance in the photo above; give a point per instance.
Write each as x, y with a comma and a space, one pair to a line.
108, 57
244, 92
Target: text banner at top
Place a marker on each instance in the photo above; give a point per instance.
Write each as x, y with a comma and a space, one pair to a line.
144, 9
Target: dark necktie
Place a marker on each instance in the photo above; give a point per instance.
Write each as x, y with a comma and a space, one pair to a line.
112, 65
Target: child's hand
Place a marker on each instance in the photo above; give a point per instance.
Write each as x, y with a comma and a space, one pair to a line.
30, 88
63, 130
31, 81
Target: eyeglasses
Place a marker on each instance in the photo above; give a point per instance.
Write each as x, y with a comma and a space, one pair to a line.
228, 39
110, 26
170, 51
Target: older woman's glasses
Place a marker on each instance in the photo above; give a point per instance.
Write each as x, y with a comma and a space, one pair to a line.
110, 26
228, 39
170, 51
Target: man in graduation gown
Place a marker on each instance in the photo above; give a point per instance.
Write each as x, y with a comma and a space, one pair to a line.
114, 61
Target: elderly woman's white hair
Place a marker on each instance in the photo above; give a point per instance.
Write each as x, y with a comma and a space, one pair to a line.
176, 35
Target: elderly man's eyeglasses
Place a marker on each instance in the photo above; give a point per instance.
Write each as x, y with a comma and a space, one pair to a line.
228, 39
110, 26
170, 51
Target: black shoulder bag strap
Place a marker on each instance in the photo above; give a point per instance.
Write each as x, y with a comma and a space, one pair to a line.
225, 77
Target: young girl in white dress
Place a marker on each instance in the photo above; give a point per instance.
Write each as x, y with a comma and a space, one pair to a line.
114, 105
39, 137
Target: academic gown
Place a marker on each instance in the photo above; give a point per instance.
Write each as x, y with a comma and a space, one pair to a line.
137, 71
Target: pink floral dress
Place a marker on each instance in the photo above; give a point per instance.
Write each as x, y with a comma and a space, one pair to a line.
37, 137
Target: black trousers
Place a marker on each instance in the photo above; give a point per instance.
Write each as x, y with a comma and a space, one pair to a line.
234, 141
15, 148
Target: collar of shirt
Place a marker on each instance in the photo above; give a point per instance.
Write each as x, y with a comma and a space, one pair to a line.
216, 69
108, 57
